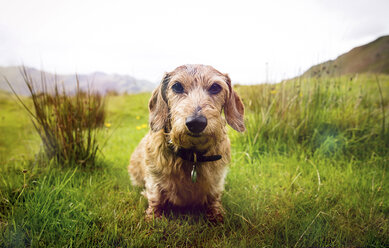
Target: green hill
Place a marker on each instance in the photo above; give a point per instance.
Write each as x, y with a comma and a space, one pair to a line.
370, 58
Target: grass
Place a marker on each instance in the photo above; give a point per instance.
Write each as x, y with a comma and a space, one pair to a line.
311, 170
333, 116
66, 123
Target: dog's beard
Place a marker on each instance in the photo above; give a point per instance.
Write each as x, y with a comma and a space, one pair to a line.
181, 137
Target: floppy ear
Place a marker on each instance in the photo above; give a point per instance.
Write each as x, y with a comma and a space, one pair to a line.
158, 108
234, 109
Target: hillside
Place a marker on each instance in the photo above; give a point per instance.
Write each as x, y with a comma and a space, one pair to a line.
99, 81
370, 58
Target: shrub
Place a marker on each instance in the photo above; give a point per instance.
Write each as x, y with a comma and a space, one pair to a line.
66, 123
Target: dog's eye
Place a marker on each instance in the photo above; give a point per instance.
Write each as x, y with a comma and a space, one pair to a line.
214, 89
178, 88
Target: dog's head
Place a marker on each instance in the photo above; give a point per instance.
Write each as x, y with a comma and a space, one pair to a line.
189, 103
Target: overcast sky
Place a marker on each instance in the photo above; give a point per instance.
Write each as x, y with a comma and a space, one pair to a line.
250, 40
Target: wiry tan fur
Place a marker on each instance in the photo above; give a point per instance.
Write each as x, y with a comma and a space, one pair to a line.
154, 165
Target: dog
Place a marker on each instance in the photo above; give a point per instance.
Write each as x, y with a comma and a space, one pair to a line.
183, 160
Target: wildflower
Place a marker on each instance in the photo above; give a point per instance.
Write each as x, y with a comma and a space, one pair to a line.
137, 117
107, 124
144, 126
138, 127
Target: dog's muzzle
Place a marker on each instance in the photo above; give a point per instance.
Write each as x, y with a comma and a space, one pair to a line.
196, 124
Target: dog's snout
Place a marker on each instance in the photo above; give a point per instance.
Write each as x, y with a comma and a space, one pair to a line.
196, 123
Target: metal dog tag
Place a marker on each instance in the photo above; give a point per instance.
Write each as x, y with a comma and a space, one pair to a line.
193, 174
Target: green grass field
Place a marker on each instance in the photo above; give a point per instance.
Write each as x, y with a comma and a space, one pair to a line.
310, 171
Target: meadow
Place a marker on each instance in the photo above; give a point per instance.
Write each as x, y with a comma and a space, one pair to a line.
310, 171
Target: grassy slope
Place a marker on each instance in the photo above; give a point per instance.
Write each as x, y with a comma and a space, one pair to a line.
369, 58
278, 192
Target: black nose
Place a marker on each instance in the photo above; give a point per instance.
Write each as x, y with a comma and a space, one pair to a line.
196, 124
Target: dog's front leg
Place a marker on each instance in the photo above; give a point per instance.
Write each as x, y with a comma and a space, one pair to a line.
215, 210
156, 202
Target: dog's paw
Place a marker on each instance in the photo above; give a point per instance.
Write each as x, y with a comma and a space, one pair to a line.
215, 215
153, 213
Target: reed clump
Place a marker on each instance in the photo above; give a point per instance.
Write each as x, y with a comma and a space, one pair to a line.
67, 123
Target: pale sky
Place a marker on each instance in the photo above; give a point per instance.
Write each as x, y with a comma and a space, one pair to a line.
147, 38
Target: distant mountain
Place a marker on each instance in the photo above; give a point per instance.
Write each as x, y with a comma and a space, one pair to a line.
98, 81
370, 58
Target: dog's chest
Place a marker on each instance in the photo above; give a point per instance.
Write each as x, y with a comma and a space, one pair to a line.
182, 191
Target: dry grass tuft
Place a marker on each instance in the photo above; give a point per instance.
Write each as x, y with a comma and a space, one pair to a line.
66, 123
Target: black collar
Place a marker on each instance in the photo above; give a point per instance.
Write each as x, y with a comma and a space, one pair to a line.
188, 155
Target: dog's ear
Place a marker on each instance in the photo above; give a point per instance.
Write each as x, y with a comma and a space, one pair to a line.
234, 109
158, 108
